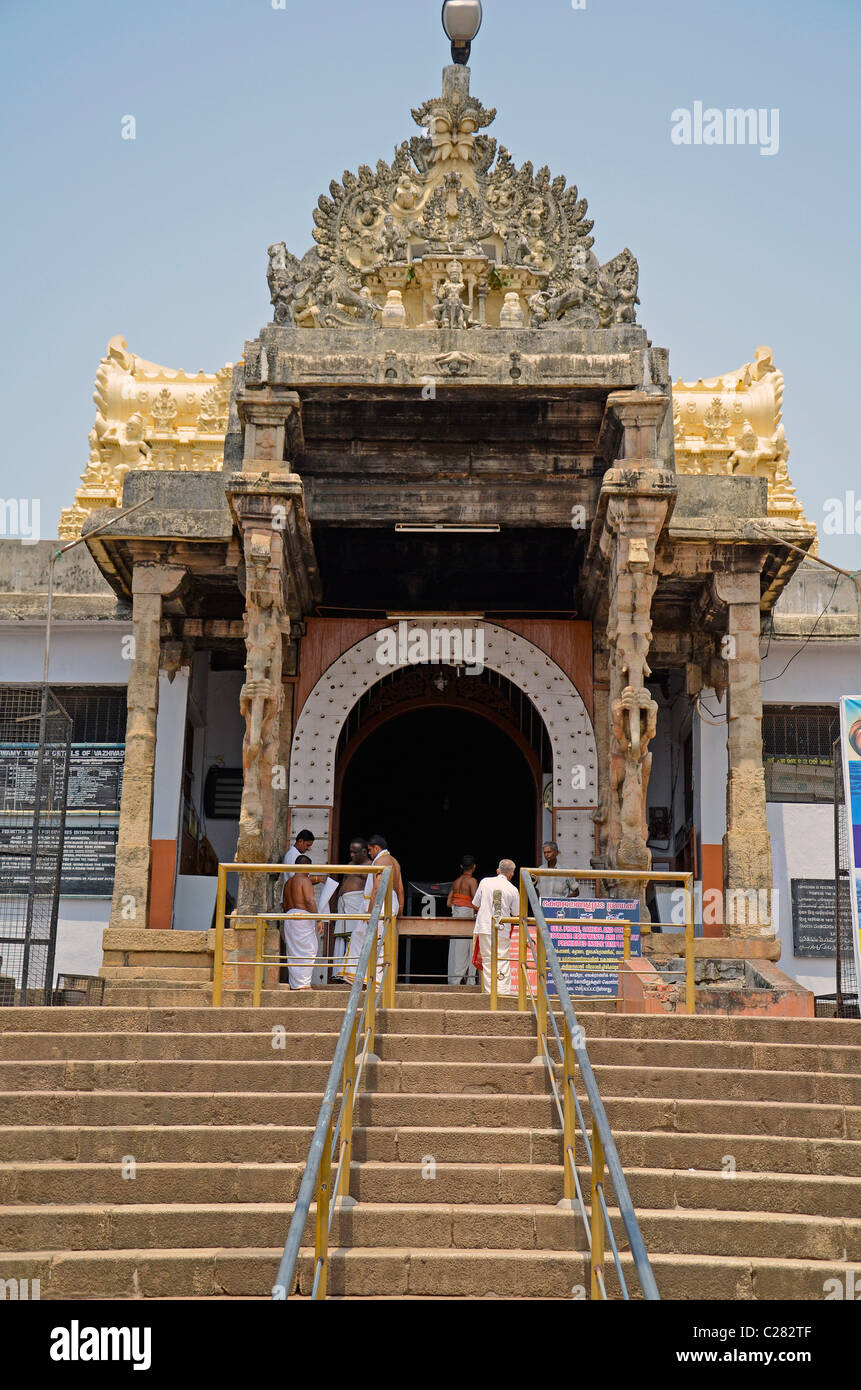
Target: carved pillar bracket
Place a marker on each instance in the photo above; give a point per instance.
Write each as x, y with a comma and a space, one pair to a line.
151, 585
272, 421
747, 843
280, 581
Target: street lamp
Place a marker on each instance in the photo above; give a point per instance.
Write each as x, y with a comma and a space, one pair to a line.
461, 20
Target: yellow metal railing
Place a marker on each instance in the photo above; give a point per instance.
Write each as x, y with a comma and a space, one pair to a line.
524, 920
601, 1153
256, 922
327, 1172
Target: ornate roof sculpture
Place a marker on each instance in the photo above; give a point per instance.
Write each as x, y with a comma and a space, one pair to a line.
147, 417
730, 424
452, 234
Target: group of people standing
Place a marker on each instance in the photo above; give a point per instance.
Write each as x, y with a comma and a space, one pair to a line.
305, 896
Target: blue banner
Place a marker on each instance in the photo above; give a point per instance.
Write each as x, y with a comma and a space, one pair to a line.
589, 953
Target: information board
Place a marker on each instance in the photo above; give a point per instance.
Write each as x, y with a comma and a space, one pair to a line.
95, 775
814, 908
89, 855
588, 952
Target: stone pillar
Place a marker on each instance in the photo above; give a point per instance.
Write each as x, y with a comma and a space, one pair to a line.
747, 869
260, 702
151, 584
632, 711
636, 498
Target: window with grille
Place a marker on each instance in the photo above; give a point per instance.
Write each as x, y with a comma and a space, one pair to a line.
797, 752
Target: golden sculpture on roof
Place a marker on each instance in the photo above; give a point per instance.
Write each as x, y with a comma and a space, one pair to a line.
731, 424
147, 416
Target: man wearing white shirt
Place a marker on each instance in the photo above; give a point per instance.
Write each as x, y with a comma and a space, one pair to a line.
378, 849
301, 845
483, 904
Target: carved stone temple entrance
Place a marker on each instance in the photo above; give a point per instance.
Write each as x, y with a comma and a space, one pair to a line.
453, 423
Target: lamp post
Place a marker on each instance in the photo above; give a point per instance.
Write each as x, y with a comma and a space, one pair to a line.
461, 20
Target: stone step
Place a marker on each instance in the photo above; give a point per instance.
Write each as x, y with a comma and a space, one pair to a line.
273, 1143
460, 1183
166, 1108
281, 1073
465, 1227
157, 974
290, 1010
408, 1047
418, 1273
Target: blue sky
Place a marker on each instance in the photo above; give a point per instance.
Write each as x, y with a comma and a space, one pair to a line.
245, 112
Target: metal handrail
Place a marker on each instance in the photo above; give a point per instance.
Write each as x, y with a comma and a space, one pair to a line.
343, 1076
256, 922
602, 1150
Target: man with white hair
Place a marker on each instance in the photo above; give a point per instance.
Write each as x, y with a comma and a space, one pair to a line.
483, 904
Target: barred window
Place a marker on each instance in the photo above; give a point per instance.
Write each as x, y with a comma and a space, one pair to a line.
797, 752
98, 712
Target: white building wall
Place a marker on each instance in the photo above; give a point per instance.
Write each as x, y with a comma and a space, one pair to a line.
802, 834
713, 768
92, 653
802, 846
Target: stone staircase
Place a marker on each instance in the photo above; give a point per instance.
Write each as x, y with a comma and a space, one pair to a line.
152, 1149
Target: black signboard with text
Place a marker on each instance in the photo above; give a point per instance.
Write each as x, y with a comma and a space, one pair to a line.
89, 853
95, 776
813, 914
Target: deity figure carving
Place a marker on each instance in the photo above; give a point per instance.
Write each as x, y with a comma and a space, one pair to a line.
407, 194
750, 457
393, 241
449, 309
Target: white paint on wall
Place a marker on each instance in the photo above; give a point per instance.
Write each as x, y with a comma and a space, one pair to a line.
169, 747
81, 653
714, 767
819, 674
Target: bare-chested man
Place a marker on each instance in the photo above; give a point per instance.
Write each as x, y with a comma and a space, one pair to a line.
300, 930
352, 901
379, 851
460, 967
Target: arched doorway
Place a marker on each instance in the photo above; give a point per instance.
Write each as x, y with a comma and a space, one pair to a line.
545, 709
438, 783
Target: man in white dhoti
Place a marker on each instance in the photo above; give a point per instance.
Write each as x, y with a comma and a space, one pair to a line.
300, 930
379, 850
352, 902
483, 904
460, 967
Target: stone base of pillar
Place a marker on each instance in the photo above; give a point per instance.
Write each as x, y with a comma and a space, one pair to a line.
239, 957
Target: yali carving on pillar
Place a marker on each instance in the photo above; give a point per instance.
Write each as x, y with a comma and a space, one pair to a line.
633, 712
